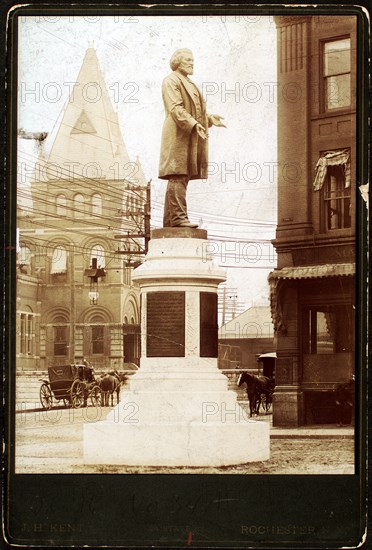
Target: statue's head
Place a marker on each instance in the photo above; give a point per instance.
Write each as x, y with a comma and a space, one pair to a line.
183, 61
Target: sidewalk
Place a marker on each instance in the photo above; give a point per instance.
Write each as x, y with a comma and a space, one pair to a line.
315, 431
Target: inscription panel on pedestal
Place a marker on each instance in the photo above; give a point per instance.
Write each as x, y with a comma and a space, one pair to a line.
165, 324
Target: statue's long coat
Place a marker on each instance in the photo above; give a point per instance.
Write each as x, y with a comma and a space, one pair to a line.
182, 152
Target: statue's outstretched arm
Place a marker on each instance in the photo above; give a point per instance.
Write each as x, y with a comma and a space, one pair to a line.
215, 120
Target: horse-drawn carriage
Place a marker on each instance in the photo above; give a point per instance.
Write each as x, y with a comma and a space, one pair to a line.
72, 384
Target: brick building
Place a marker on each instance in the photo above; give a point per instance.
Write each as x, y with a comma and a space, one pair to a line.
313, 287
83, 193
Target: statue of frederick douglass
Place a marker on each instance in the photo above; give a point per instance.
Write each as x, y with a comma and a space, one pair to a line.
184, 143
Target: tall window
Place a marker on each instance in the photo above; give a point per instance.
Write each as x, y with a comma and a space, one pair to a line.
59, 260
98, 339
79, 206
97, 204
26, 333
24, 259
61, 204
333, 180
60, 341
336, 74
24, 255
127, 271
337, 199
328, 329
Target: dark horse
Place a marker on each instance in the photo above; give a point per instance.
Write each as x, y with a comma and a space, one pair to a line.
257, 387
110, 383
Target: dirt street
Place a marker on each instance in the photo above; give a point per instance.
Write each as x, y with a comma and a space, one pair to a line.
52, 442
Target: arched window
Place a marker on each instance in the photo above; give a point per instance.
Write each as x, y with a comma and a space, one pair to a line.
59, 260
61, 204
96, 204
79, 206
98, 252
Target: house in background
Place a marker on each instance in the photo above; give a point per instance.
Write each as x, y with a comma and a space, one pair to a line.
313, 289
75, 297
244, 338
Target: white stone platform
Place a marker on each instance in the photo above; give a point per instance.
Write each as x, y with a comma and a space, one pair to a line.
177, 411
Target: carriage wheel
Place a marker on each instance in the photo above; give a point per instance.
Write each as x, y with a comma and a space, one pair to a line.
77, 394
95, 396
46, 397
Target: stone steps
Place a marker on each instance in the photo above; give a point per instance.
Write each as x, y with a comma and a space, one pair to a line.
28, 389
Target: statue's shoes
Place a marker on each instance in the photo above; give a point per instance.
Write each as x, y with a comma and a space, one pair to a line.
186, 224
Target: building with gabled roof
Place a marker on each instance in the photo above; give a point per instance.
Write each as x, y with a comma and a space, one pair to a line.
245, 337
83, 194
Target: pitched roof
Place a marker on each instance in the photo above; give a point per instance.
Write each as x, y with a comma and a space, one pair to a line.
255, 322
87, 138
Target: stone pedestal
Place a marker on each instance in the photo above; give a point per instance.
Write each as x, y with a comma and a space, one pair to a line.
178, 410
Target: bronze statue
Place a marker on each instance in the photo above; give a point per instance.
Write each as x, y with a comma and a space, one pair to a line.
184, 143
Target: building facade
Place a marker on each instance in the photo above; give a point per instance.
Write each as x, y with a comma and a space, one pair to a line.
244, 338
313, 287
75, 297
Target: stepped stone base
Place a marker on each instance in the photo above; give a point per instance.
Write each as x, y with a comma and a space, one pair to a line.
175, 419
175, 444
178, 410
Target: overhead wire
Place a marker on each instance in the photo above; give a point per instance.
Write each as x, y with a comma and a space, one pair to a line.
87, 216
84, 181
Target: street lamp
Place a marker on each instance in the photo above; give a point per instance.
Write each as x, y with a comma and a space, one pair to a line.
94, 273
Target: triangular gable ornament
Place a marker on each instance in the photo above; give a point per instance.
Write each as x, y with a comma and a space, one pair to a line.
83, 125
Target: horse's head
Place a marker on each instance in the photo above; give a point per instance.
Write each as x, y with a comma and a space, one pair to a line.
246, 378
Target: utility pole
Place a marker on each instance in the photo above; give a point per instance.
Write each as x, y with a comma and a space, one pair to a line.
224, 305
145, 234
228, 305
72, 305
147, 216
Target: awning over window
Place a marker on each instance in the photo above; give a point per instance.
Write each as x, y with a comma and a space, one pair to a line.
332, 158
364, 189
311, 271
276, 281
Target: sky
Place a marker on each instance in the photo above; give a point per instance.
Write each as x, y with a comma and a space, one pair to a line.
235, 67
